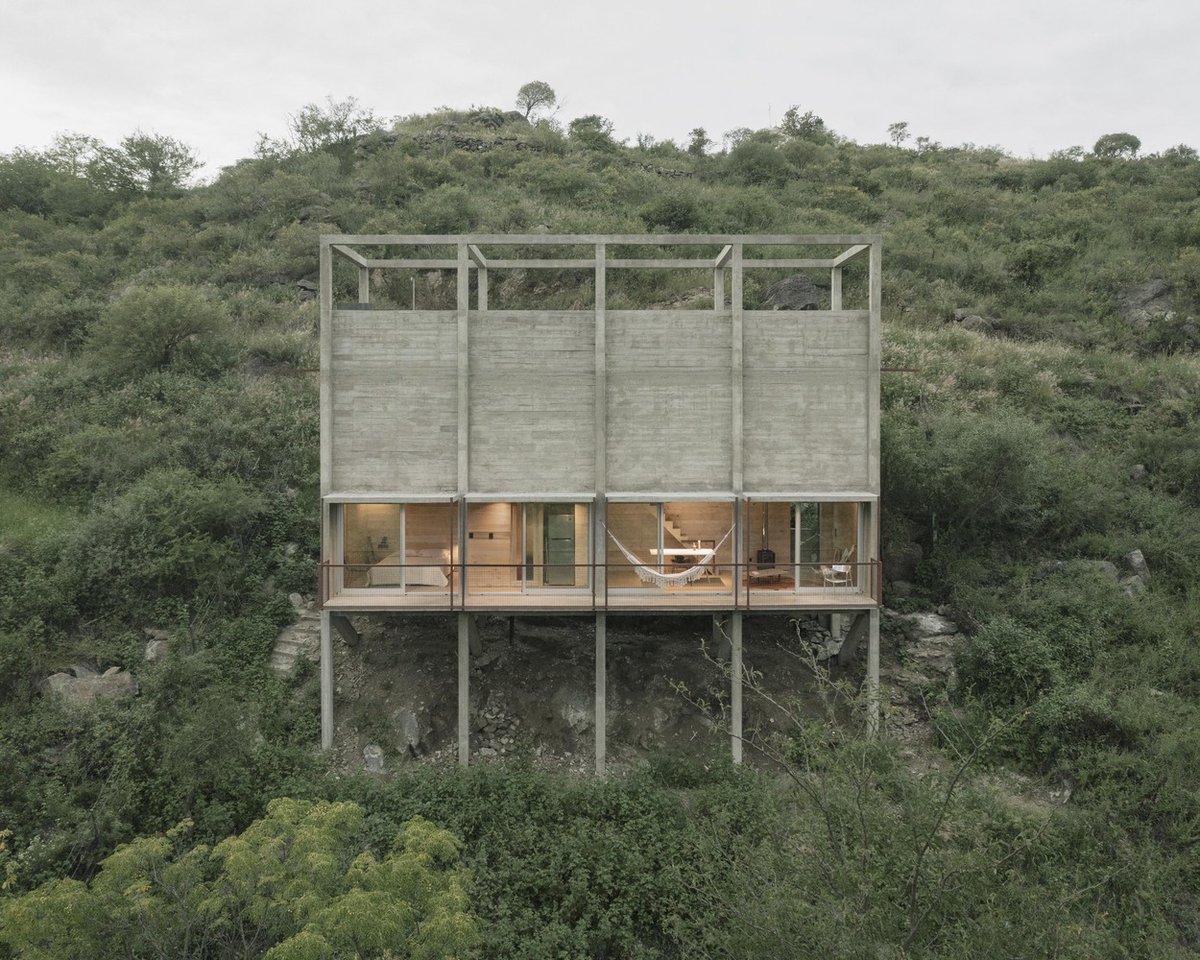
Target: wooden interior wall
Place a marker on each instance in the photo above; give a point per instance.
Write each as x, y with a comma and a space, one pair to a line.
779, 530
429, 526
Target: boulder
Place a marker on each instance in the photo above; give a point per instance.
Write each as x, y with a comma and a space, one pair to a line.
1103, 568
900, 560
156, 650
1133, 586
921, 626
80, 690
796, 292
1143, 303
977, 324
373, 758
574, 707
1135, 563
1138, 472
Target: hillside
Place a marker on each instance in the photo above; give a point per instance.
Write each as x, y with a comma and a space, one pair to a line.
158, 472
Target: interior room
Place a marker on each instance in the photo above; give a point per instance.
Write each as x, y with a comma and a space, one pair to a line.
673, 547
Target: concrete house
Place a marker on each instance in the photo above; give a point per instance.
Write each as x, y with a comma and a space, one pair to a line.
479, 456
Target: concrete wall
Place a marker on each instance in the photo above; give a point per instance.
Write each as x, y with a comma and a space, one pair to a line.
532, 402
394, 408
805, 413
669, 407
668, 403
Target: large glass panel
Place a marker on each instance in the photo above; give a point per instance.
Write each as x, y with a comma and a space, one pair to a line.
429, 554
770, 546
494, 563
697, 548
371, 538
827, 542
556, 545
636, 526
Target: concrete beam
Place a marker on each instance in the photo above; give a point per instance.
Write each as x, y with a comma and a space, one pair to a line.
345, 629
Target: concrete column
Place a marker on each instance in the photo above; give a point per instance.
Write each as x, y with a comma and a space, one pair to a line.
873, 673
601, 711
326, 682
474, 640
464, 689
735, 692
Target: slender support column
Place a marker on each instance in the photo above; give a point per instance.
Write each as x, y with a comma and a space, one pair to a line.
483, 288
326, 682
835, 288
873, 673
719, 288
735, 692
364, 285
601, 718
600, 416
464, 690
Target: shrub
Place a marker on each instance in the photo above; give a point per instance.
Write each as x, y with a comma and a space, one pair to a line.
156, 328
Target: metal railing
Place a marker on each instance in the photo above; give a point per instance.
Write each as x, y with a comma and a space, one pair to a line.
599, 586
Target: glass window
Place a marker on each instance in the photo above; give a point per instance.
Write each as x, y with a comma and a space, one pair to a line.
371, 544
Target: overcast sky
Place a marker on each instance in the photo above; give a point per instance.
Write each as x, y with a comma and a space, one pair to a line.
1031, 76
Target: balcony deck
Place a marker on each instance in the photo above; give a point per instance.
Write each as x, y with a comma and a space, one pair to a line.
775, 601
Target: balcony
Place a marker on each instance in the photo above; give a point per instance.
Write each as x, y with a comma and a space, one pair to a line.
593, 587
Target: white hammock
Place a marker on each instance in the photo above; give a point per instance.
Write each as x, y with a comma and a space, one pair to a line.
648, 574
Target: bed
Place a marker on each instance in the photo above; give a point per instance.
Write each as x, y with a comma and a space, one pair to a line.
421, 568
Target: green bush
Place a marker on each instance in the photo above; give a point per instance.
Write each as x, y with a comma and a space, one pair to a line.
157, 328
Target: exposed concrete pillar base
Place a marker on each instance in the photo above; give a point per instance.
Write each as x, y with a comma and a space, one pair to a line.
601, 708
326, 682
735, 691
464, 689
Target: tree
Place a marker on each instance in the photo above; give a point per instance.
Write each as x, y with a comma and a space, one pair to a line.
298, 884
148, 163
314, 127
804, 126
1117, 146
593, 131
153, 328
898, 132
698, 142
536, 95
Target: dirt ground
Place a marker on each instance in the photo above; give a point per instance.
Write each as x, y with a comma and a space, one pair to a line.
531, 689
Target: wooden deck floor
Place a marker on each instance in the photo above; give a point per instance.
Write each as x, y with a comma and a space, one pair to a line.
633, 602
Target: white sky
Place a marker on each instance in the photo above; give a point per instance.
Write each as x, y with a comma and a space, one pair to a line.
1028, 75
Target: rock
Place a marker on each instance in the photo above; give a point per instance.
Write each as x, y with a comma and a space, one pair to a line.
487, 752
296, 601
306, 290
114, 684
977, 324
1135, 563
1138, 472
156, 633
573, 707
1133, 586
156, 650
1103, 568
1144, 303
900, 588
919, 626
408, 725
796, 292
373, 756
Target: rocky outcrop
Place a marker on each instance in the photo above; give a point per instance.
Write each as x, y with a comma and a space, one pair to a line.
1137, 577
84, 686
796, 292
926, 655
1141, 304
975, 322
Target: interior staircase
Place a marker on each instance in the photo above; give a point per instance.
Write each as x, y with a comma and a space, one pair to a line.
671, 526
